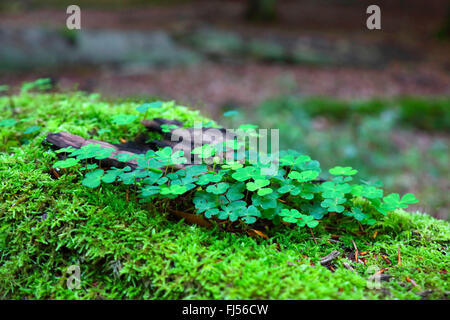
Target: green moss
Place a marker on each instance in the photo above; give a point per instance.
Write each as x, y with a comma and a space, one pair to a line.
130, 250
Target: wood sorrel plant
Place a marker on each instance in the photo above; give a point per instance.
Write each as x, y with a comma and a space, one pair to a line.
238, 190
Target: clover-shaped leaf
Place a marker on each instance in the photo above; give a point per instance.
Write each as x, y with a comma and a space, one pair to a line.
153, 105
393, 201
219, 188
208, 178
409, 198
123, 119
372, 192
32, 129
303, 176
358, 214
93, 179
287, 160
249, 216
67, 163
125, 157
233, 165
177, 157
290, 215
164, 155
131, 177
68, 149
312, 223
234, 144
264, 191
308, 190
316, 211
211, 212
168, 127
173, 189
343, 171
90, 166
333, 205
286, 188
245, 173
235, 192
301, 160
204, 201
149, 191
292, 159
357, 190
233, 211
258, 184
150, 164
104, 153
342, 179
86, 152
205, 151
267, 202
195, 170
111, 175
334, 190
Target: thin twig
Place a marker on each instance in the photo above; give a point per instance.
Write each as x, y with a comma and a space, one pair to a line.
314, 238
356, 251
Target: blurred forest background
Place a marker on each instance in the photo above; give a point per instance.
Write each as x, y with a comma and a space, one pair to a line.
376, 100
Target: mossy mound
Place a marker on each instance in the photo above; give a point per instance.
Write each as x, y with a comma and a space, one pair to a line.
128, 250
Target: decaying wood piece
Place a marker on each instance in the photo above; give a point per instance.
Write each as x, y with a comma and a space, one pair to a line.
185, 142
327, 259
65, 139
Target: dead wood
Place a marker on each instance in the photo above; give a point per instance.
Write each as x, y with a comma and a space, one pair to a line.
65, 139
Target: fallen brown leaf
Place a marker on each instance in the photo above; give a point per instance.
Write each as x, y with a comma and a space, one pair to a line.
386, 259
257, 233
55, 173
192, 218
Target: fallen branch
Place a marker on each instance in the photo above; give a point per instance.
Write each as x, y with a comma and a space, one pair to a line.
356, 250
